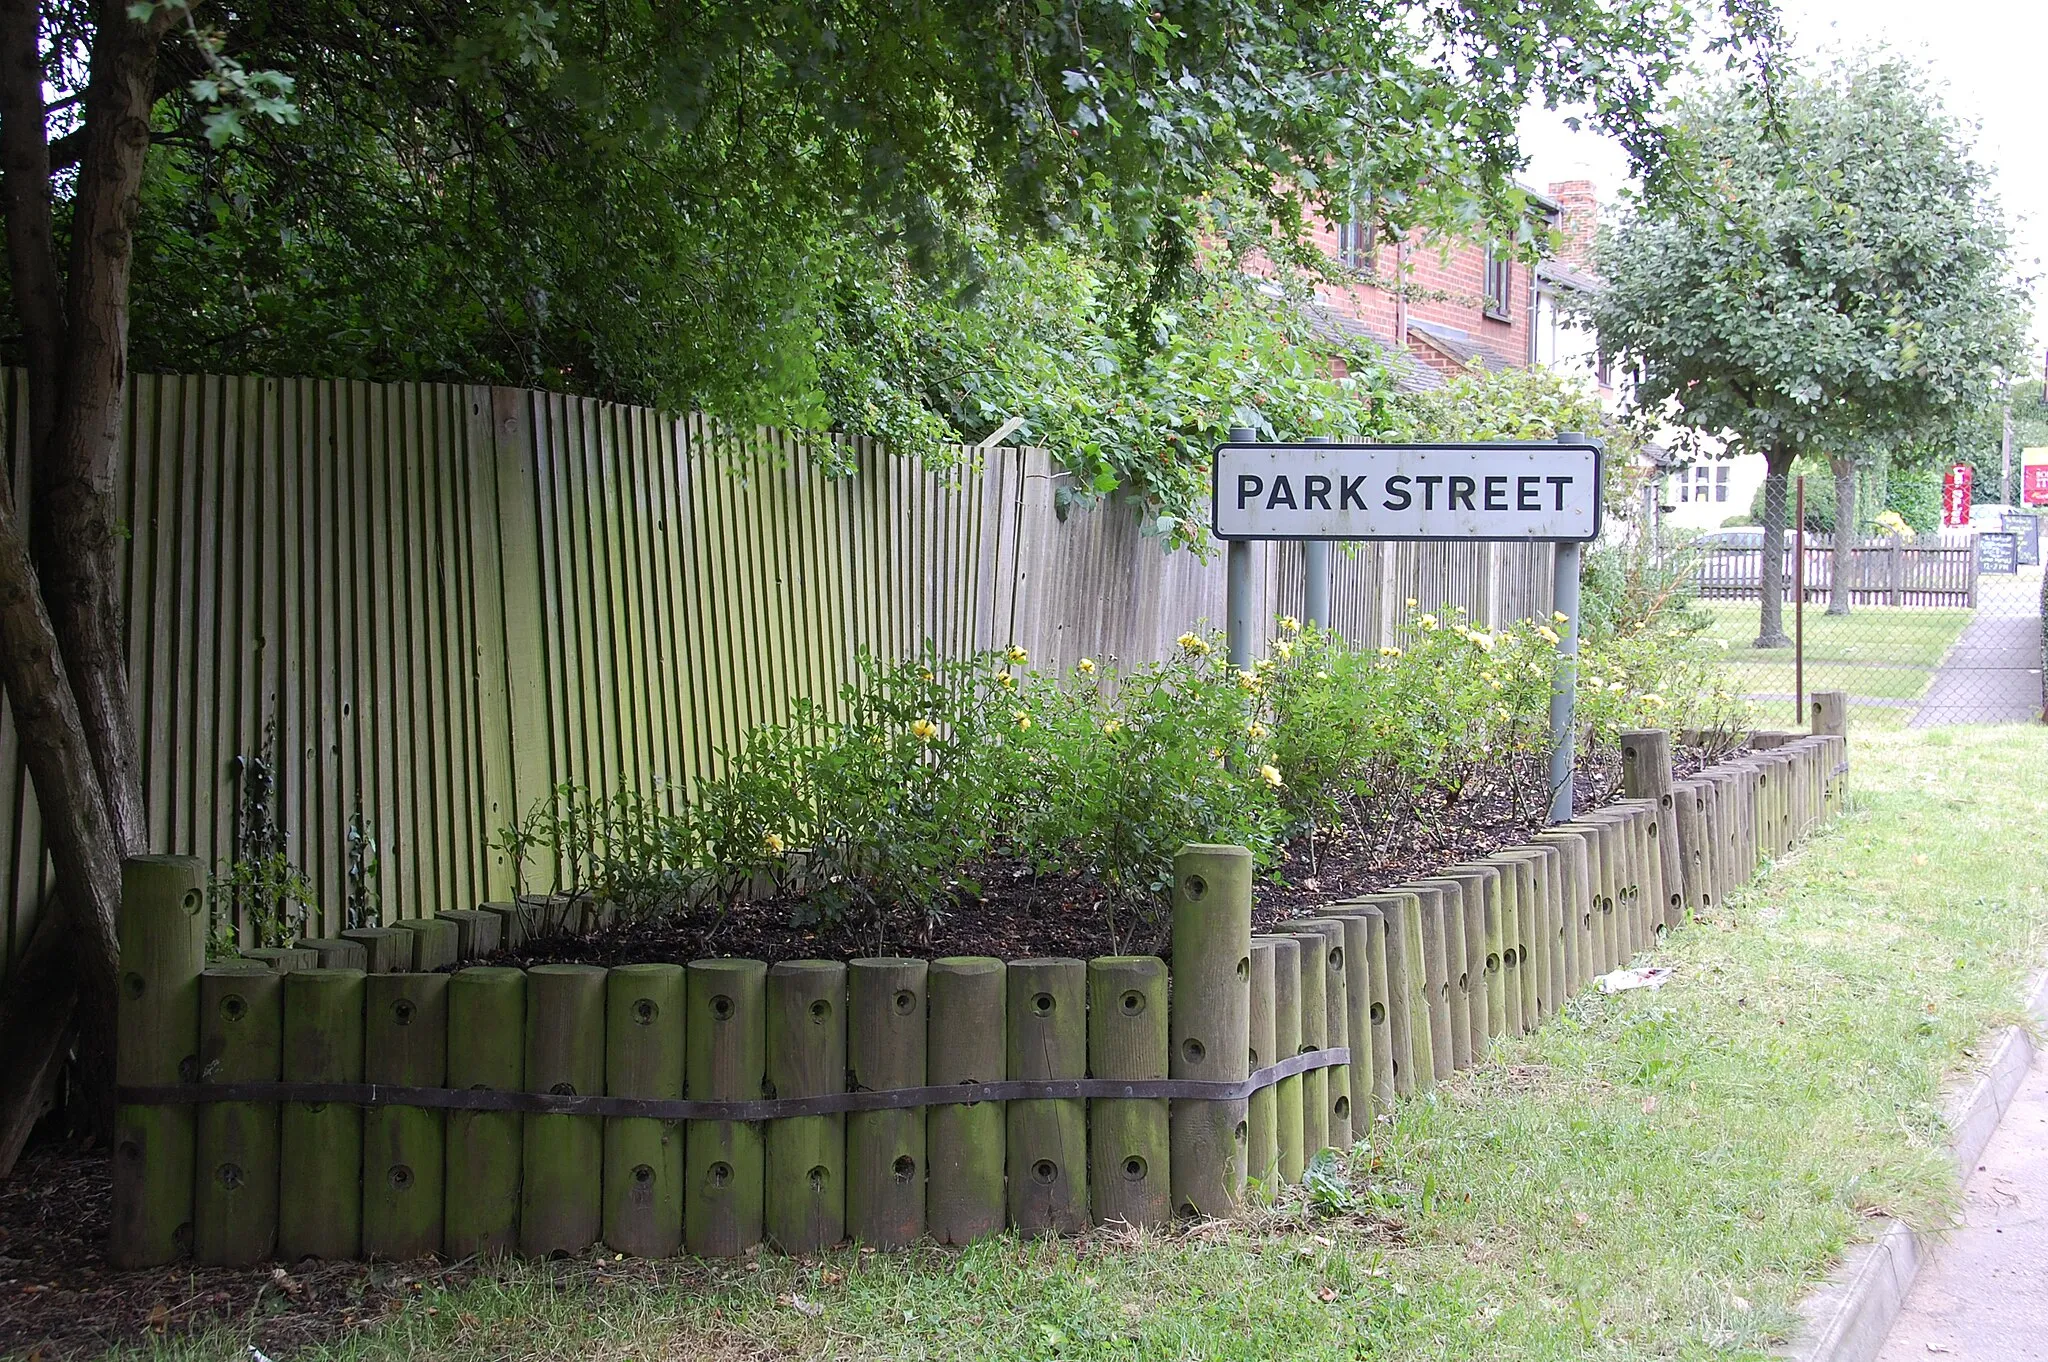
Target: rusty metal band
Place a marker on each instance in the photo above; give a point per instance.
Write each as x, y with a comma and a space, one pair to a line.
758, 1109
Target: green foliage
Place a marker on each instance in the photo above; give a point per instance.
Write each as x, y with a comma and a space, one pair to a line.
625, 849
914, 223
1841, 276
259, 901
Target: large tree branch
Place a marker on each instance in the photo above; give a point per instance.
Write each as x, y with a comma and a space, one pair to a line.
75, 545
73, 954
25, 195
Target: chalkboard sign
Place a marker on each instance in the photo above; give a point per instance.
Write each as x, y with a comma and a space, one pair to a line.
1998, 552
2027, 530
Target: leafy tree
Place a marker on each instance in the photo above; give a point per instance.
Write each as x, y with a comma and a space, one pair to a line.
715, 204
1838, 280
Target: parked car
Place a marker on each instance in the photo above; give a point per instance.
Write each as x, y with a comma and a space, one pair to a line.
1737, 537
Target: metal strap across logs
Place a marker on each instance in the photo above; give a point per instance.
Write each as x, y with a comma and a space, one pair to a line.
761, 1109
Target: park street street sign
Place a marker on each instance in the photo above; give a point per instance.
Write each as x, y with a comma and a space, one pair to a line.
1524, 492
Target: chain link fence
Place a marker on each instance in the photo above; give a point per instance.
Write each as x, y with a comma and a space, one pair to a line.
1946, 631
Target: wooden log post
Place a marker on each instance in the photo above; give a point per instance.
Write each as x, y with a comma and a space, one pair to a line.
476, 932
1830, 712
1577, 900
1646, 774
1688, 807
1410, 1041
1336, 1024
335, 953
511, 923
645, 1006
1517, 935
1048, 1140
1130, 1169
1359, 1075
1712, 785
1262, 1113
162, 933
283, 959
320, 1155
1314, 1012
386, 950
561, 1197
726, 1042
1537, 882
1437, 979
1211, 1023
804, 1189
405, 1043
885, 1150
1481, 896
1290, 1130
241, 1020
436, 944
1380, 1013
486, 1050
966, 1148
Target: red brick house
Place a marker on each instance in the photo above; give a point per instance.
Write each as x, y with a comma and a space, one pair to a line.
1462, 301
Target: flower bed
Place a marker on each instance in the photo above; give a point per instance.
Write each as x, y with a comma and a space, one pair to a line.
975, 806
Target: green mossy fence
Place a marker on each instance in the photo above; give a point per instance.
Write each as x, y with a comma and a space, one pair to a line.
338, 1101
451, 599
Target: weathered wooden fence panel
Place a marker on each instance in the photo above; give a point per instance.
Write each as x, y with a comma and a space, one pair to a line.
1882, 571
448, 599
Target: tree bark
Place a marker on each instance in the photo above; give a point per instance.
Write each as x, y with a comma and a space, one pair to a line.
1771, 620
76, 549
1845, 536
73, 956
62, 656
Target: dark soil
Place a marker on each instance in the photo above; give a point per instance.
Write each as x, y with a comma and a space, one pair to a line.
1018, 915
59, 1299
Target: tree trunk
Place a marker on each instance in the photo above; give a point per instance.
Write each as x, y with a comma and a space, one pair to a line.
73, 956
62, 657
1845, 536
75, 541
1771, 621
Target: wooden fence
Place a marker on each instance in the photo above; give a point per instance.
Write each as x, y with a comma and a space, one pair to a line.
337, 1112
449, 599
1885, 571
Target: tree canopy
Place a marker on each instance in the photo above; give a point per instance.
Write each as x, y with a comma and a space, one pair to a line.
1836, 278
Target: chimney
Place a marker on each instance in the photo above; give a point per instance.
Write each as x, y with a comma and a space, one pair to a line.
1578, 218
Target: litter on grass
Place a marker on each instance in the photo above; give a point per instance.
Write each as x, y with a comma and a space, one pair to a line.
1622, 980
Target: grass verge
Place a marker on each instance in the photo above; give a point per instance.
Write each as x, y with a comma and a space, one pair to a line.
1655, 1175
1884, 657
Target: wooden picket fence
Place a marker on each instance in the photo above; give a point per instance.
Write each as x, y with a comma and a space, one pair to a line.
374, 1096
449, 599
1883, 571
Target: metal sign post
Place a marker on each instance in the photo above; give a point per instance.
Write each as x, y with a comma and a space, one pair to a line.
1315, 569
1319, 492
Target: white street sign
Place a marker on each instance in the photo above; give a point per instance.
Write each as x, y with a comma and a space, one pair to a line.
1526, 492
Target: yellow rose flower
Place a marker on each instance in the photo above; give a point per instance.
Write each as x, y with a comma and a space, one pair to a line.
1427, 621
1547, 634
1482, 638
1007, 681
1017, 655
1322, 676
1248, 680
1412, 602
1086, 666
1653, 700
1112, 727
1284, 649
1559, 617
1256, 732
771, 844
1388, 651
1290, 624
1194, 645
924, 730
1271, 775
1023, 717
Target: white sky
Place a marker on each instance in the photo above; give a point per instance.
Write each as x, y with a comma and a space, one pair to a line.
1989, 60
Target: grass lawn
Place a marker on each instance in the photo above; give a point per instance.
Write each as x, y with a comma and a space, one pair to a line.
1655, 1175
1876, 653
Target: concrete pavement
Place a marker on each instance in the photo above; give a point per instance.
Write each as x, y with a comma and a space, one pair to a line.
1993, 673
1983, 1294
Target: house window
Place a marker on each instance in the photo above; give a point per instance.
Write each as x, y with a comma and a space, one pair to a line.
1603, 369
1500, 283
1355, 241
1721, 483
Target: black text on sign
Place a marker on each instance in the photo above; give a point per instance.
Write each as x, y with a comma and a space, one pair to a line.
1530, 492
